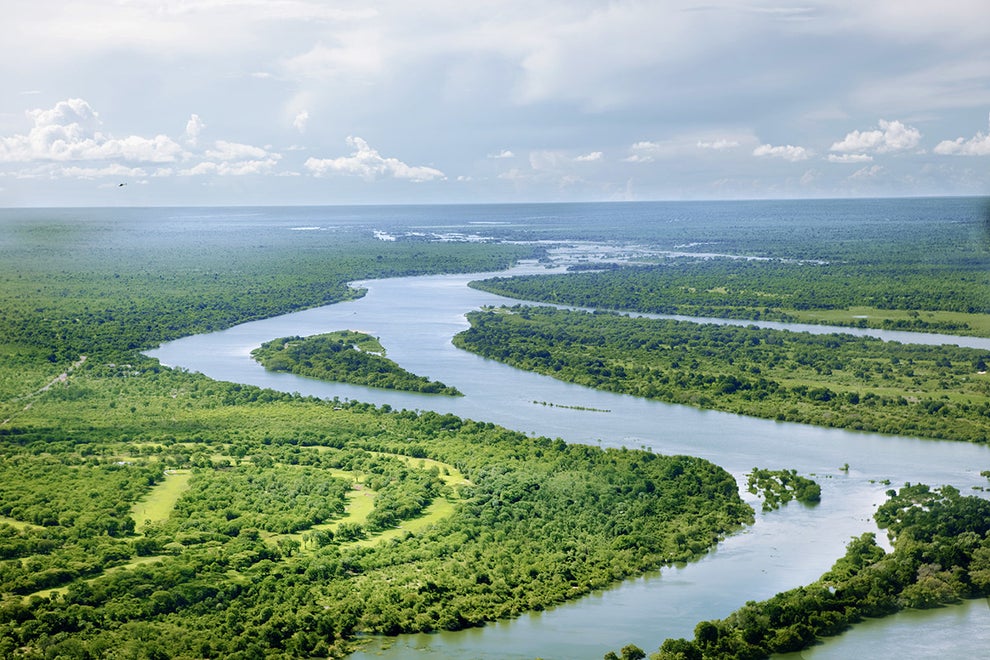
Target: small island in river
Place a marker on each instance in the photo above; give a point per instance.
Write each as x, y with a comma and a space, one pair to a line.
344, 356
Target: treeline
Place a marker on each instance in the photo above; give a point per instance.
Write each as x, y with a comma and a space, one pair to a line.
772, 290
135, 286
941, 555
346, 357
835, 380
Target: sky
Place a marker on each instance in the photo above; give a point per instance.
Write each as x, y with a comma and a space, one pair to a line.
229, 102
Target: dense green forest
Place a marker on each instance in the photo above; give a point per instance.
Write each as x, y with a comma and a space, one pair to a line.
244, 562
148, 512
773, 291
924, 270
831, 379
344, 356
941, 554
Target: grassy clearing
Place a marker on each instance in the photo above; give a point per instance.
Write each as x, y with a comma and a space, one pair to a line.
18, 524
158, 504
448, 473
361, 502
134, 563
979, 324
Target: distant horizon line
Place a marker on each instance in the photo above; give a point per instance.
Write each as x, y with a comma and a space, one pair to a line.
506, 203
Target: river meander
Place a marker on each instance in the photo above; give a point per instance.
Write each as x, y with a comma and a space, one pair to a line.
415, 318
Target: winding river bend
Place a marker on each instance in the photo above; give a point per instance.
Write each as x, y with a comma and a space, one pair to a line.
415, 318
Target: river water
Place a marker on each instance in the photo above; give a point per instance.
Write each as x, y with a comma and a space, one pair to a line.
415, 318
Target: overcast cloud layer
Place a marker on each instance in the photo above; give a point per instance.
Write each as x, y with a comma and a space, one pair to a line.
325, 102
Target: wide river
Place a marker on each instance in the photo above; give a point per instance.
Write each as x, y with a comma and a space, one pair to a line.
415, 318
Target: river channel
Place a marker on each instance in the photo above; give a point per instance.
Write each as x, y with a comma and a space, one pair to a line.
415, 318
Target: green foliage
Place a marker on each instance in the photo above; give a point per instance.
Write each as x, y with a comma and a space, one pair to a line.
911, 271
245, 559
85, 282
781, 486
835, 380
347, 357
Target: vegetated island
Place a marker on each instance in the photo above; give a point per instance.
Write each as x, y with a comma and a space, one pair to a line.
904, 290
836, 380
941, 555
344, 356
778, 487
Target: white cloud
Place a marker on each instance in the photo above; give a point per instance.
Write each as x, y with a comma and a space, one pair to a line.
357, 54
551, 161
867, 172
849, 158
113, 170
233, 151
787, 152
643, 151
891, 136
70, 131
505, 153
718, 145
369, 164
978, 145
589, 158
299, 123
194, 127
232, 168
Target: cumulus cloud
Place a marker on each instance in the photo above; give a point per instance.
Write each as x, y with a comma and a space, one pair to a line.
787, 152
367, 163
978, 145
505, 153
891, 136
68, 140
849, 158
299, 123
194, 127
71, 131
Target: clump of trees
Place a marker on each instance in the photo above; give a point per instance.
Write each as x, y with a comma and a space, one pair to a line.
345, 356
778, 487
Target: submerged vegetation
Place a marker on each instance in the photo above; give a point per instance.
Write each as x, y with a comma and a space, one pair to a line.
778, 487
835, 380
346, 357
